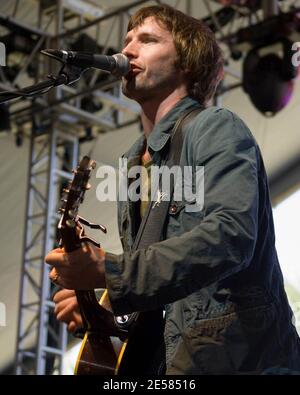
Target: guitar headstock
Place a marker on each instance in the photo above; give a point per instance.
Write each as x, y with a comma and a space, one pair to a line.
74, 195
72, 198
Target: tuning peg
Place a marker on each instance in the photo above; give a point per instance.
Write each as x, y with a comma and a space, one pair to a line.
63, 200
72, 213
88, 186
65, 190
70, 223
61, 210
91, 224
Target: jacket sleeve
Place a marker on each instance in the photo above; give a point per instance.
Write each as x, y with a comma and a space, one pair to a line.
223, 239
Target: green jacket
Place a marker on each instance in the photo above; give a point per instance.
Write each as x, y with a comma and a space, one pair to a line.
215, 270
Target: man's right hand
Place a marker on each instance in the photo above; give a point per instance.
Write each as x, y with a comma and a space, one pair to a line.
67, 309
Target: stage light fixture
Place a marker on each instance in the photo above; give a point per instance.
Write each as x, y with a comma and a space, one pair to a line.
269, 79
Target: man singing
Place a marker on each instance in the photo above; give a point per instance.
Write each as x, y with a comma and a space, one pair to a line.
215, 270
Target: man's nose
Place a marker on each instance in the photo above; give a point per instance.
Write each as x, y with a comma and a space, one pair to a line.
130, 50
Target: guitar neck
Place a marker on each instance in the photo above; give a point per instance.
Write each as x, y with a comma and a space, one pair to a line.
71, 230
93, 314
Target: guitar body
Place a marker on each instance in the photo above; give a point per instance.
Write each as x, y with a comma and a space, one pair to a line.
126, 345
139, 351
100, 354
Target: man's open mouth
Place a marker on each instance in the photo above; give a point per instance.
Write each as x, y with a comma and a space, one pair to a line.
133, 72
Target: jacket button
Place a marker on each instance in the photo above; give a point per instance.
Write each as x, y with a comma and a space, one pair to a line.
173, 208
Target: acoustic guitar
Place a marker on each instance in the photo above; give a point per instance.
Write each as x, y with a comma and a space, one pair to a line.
113, 345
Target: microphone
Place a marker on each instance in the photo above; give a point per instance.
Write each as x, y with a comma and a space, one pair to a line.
117, 64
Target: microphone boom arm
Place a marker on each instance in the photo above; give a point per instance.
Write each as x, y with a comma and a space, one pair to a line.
67, 75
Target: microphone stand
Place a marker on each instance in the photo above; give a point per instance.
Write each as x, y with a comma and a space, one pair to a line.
67, 75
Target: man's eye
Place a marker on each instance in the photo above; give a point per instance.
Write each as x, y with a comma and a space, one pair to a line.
149, 40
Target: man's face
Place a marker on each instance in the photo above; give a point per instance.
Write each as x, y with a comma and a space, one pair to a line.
152, 54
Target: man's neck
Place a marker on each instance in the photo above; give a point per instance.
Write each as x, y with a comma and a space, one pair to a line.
153, 110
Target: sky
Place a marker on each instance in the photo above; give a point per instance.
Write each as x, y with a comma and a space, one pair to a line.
287, 230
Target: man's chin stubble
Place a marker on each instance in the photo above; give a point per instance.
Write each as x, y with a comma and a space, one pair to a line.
133, 92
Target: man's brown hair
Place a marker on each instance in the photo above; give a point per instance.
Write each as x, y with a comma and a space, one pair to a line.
197, 49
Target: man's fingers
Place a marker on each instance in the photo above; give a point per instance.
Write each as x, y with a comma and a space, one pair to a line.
60, 276
69, 316
63, 294
62, 304
66, 314
56, 257
72, 326
54, 276
65, 307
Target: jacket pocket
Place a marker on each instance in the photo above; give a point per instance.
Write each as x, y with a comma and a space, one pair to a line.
238, 342
183, 217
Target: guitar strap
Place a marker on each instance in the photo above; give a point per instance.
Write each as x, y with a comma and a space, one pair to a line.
152, 224
151, 231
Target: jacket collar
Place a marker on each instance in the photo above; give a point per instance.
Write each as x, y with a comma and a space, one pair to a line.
161, 131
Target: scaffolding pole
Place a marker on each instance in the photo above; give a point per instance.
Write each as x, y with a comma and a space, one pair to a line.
37, 339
